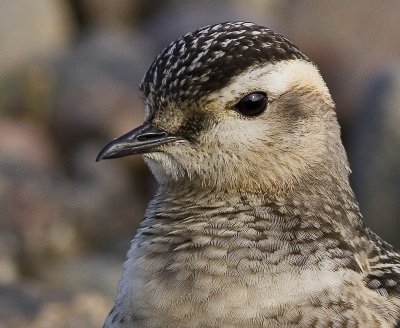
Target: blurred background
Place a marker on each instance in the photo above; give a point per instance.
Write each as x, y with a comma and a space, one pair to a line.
69, 74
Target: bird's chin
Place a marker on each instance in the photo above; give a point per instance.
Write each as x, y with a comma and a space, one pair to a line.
152, 156
164, 167
157, 158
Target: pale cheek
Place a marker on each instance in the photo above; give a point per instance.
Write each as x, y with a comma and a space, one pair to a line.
242, 134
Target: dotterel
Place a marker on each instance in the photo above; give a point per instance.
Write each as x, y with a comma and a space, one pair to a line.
254, 223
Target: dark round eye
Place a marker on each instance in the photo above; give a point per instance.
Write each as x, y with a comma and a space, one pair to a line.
252, 104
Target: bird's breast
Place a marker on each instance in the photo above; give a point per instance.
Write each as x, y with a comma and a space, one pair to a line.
236, 270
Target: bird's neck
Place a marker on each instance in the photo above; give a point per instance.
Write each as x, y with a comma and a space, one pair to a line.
326, 193
289, 229
328, 203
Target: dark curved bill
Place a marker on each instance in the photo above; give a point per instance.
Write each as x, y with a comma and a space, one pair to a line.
141, 140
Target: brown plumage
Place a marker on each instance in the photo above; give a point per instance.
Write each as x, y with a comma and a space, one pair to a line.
254, 223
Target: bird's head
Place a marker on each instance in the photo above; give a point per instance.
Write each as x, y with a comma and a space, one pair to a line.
234, 106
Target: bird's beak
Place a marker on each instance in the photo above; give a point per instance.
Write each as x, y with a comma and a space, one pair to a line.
143, 139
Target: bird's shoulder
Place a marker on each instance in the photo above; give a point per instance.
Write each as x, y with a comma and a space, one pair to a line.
383, 275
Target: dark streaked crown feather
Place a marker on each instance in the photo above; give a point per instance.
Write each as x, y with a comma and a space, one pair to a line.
206, 60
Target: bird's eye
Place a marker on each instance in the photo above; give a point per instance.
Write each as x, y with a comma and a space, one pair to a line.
252, 104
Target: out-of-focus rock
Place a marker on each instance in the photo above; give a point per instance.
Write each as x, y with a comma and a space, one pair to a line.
97, 87
31, 30
110, 13
8, 269
19, 304
26, 143
347, 47
37, 306
48, 215
9, 248
96, 99
175, 17
84, 310
107, 202
28, 193
375, 156
89, 271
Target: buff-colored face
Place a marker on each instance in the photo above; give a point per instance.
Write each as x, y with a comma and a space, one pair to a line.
203, 124
220, 147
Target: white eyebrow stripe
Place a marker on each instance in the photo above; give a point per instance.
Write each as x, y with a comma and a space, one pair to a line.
275, 79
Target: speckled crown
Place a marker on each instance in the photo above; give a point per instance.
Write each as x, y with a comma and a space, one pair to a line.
205, 60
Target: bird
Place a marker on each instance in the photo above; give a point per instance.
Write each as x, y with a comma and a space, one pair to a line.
254, 222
